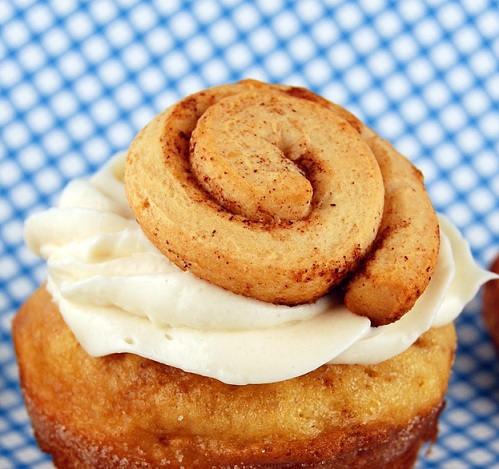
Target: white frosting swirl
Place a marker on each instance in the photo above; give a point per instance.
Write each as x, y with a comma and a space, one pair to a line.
118, 293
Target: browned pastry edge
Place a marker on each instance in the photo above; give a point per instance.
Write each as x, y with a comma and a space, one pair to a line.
491, 306
126, 411
399, 267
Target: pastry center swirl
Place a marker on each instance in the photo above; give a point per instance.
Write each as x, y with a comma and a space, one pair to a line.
252, 153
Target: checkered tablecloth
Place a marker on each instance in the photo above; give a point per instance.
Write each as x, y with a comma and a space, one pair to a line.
79, 79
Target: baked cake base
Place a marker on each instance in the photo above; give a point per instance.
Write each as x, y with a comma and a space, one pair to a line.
126, 411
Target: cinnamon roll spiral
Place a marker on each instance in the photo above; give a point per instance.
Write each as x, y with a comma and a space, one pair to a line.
275, 193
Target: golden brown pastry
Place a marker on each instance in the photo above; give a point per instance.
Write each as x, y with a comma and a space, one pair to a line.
491, 305
274, 182
126, 411
391, 280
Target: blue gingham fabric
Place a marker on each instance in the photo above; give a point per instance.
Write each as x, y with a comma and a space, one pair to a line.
79, 79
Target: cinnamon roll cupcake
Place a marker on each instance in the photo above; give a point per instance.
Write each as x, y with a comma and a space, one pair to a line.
261, 281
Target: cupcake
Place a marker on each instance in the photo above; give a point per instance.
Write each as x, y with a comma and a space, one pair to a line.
260, 281
490, 311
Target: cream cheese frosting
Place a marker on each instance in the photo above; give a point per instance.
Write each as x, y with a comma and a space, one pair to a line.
118, 293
